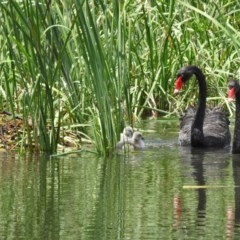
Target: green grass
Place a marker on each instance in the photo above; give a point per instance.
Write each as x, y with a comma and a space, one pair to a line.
92, 67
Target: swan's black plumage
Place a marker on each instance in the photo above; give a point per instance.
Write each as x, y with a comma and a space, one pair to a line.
234, 92
201, 127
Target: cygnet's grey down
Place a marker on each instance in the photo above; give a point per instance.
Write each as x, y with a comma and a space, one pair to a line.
136, 142
125, 137
127, 134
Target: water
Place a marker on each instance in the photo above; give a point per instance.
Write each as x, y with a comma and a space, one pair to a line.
165, 192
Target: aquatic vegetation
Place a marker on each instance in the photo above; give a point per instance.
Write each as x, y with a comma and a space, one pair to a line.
88, 67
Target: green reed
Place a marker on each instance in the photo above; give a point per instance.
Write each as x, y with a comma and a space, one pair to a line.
94, 66
35, 55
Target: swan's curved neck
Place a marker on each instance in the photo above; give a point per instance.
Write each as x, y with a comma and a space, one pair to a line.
200, 114
197, 137
236, 137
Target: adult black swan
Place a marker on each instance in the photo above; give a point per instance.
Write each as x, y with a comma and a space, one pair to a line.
201, 127
233, 92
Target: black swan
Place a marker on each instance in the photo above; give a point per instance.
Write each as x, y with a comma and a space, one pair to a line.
136, 142
201, 127
233, 92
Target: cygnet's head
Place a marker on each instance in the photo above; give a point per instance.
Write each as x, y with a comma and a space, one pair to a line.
125, 137
137, 141
128, 131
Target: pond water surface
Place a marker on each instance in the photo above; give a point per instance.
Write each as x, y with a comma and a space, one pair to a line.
164, 192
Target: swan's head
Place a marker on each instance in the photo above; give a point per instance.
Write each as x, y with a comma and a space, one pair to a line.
183, 75
233, 88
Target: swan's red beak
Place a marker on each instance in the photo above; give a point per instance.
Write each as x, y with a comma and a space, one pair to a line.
178, 84
231, 94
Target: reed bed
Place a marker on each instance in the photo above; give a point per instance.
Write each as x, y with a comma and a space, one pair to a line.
91, 67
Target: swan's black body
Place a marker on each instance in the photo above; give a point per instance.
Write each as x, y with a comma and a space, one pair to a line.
201, 127
233, 86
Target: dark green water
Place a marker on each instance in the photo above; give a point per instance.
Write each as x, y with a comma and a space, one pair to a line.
164, 192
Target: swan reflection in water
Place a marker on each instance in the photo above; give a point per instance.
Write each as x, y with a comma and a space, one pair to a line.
233, 211
200, 164
193, 157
